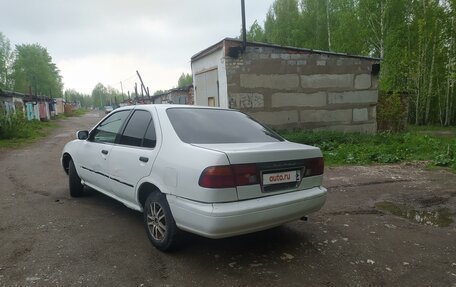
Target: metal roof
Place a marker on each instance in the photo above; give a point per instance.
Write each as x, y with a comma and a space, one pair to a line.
179, 89
4, 93
220, 44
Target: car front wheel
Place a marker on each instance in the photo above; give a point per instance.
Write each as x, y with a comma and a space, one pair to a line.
76, 186
159, 222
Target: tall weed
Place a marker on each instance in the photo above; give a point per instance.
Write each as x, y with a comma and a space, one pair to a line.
15, 126
356, 148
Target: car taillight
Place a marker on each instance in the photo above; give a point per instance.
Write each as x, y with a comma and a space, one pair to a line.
227, 176
217, 177
315, 166
246, 174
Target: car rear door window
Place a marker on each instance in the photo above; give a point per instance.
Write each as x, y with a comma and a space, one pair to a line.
136, 128
108, 130
213, 126
150, 139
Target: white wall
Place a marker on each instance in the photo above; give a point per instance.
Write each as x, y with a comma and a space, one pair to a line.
212, 61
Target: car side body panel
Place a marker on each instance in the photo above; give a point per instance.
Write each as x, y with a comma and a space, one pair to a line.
129, 165
177, 170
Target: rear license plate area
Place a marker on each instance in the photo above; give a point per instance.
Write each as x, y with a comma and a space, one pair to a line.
280, 180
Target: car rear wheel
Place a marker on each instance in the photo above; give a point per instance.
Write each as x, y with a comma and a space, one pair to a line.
159, 222
76, 187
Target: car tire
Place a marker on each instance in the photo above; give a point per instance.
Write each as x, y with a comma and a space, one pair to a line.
159, 222
76, 187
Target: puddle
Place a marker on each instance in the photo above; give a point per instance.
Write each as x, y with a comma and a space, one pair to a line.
440, 217
432, 201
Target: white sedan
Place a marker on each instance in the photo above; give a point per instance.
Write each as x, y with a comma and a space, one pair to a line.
210, 171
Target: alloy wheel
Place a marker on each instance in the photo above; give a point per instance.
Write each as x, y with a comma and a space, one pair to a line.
156, 221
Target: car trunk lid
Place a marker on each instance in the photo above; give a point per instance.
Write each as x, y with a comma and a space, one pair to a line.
281, 166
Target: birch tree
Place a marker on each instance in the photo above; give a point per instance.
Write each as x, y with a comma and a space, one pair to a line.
6, 61
447, 99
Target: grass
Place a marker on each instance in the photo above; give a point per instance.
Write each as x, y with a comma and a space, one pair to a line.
414, 128
418, 144
26, 133
74, 113
354, 148
16, 131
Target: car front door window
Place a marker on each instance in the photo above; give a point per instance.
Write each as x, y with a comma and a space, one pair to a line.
107, 131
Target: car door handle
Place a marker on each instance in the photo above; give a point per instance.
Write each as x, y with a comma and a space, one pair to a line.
104, 151
144, 159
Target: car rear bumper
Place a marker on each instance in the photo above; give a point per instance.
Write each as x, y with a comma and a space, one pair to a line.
221, 220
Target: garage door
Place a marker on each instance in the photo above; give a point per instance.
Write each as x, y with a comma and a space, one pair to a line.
207, 92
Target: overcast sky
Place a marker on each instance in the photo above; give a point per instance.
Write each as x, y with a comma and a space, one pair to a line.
106, 41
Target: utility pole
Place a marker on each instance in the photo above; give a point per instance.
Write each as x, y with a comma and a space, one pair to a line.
244, 29
143, 87
136, 92
121, 88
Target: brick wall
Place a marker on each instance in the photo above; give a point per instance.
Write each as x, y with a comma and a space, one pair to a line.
300, 89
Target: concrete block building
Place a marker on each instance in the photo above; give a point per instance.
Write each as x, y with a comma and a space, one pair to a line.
287, 87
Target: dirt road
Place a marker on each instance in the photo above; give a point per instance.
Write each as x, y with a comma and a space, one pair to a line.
381, 226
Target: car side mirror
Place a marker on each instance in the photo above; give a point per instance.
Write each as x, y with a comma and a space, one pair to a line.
82, 135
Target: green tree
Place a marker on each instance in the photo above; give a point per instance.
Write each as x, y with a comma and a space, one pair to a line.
105, 96
256, 33
426, 57
71, 95
100, 96
159, 92
282, 23
184, 80
416, 40
386, 35
6, 61
314, 23
447, 99
34, 70
345, 29
115, 96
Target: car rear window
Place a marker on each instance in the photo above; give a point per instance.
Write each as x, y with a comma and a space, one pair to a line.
213, 126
